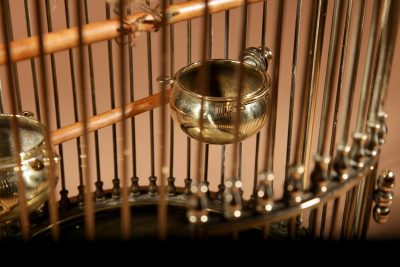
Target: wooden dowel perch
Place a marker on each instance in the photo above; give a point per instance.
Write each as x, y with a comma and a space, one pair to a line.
108, 118
109, 29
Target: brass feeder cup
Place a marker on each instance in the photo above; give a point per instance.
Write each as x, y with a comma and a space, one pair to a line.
220, 101
35, 165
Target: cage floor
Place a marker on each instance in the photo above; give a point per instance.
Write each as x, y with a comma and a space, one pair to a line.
144, 226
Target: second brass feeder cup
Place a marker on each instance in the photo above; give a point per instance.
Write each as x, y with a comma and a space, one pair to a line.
220, 100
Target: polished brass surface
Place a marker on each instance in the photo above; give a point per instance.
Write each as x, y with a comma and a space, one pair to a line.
383, 196
34, 164
220, 101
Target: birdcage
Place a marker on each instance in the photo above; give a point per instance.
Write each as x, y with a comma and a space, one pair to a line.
194, 119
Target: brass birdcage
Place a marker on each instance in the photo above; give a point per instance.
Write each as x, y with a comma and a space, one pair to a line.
283, 104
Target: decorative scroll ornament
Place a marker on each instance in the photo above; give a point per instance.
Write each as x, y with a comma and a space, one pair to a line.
233, 199
383, 130
264, 198
357, 151
294, 186
197, 204
383, 196
319, 176
372, 142
341, 163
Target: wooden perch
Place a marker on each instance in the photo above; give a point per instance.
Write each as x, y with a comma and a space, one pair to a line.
109, 29
107, 118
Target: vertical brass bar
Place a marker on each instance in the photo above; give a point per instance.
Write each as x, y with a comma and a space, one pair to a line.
339, 88
350, 217
270, 149
1, 98
14, 71
172, 72
317, 36
188, 179
221, 186
352, 65
293, 86
116, 180
125, 207
226, 55
323, 221
209, 56
257, 150
239, 83
328, 90
152, 177
197, 203
293, 221
205, 79
373, 41
345, 213
206, 154
240, 161
99, 183
255, 177
46, 117
374, 32
329, 77
226, 35
64, 191
25, 228
45, 104
390, 32
335, 212
210, 38
32, 61
55, 90
368, 205
162, 207
89, 207
379, 77
309, 95
392, 35
362, 202
264, 24
133, 121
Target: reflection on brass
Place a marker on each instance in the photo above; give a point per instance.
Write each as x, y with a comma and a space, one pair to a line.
34, 166
383, 196
219, 102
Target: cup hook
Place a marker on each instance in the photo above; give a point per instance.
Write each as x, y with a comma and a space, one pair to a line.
259, 58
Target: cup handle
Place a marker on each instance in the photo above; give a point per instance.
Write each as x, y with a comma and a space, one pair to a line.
257, 57
27, 114
168, 81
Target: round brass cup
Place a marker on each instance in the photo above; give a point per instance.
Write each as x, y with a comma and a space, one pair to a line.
219, 100
35, 165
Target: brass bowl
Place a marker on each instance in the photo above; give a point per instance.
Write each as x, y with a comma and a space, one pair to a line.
35, 165
219, 103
